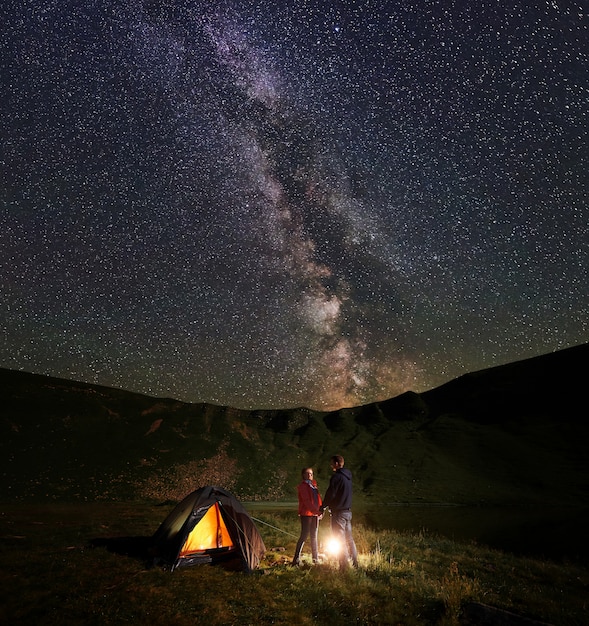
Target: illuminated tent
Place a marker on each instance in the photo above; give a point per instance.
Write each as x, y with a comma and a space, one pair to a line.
209, 526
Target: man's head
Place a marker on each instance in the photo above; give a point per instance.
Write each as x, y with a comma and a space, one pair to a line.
337, 462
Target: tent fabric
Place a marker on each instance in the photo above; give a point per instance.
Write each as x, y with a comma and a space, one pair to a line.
209, 526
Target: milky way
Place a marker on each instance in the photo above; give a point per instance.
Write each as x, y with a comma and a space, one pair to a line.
313, 204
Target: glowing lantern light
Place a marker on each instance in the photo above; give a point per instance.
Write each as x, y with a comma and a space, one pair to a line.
333, 546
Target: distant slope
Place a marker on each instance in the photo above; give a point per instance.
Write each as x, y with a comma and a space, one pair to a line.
550, 385
517, 433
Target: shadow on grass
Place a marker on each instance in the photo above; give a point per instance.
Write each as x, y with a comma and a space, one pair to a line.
140, 548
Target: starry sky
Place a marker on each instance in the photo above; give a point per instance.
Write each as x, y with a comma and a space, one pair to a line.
270, 204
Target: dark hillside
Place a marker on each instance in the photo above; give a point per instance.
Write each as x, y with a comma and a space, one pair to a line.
548, 386
516, 433
66, 439
511, 434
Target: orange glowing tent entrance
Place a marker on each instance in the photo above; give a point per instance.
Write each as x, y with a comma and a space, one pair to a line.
209, 534
209, 526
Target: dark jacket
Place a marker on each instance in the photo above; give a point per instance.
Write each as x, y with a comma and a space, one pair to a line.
338, 496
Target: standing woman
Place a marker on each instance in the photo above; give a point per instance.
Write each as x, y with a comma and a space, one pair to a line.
309, 504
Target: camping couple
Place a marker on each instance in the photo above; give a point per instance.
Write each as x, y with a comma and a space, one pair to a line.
338, 499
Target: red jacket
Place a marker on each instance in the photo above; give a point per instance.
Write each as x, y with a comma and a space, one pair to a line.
309, 499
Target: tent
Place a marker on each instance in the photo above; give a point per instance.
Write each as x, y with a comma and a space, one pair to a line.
209, 526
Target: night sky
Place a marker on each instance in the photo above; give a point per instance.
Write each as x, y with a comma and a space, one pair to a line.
269, 204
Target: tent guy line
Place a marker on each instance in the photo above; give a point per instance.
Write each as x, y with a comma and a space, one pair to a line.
274, 527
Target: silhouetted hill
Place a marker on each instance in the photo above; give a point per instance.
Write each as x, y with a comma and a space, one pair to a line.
545, 386
510, 434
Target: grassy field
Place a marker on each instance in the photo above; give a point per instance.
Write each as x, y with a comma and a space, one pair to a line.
50, 574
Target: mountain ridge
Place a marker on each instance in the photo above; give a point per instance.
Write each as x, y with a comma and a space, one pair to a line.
510, 434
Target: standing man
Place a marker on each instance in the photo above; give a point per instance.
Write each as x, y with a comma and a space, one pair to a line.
338, 498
